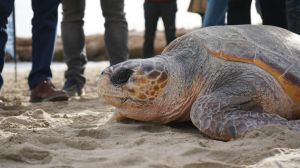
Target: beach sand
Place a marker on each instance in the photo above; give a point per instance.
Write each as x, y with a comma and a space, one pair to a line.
80, 134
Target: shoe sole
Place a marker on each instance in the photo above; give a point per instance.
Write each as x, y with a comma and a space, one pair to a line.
52, 98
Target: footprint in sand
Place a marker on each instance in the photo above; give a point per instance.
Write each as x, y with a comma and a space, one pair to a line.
195, 151
153, 128
59, 166
27, 154
80, 143
13, 108
94, 133
158, 166
210, 165
32, 119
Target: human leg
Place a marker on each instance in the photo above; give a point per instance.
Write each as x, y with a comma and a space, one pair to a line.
258, 7
239, 12
273, 13
44, 24
73, 39
215, 12
151, 14
293, 15
168, 15
6, 7
202, 15
116, 30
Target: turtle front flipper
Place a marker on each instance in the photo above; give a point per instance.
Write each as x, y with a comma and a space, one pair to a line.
227, 117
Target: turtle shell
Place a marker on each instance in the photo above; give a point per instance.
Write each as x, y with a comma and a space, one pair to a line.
273, 49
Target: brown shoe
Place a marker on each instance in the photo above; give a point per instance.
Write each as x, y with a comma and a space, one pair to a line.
45, 91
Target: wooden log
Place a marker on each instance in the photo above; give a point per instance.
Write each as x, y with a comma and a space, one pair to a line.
95, 46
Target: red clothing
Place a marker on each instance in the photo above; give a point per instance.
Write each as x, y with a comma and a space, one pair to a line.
159, 1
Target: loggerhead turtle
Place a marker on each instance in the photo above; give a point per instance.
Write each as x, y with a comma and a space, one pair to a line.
227, 80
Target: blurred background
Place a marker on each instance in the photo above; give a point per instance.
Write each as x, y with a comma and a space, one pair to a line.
134, 14
185, 22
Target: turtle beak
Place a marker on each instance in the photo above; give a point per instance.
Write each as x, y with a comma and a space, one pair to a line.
103, 79
105, 72
105, 85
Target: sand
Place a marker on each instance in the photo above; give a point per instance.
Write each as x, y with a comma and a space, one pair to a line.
80, 134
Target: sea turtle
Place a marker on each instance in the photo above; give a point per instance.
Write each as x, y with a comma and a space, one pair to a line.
227, 80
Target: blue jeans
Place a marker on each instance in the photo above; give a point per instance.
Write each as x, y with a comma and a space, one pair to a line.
6, 7
293, 15
44, 24
215, 12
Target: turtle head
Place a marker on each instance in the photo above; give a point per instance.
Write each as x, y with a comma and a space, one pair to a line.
134, 87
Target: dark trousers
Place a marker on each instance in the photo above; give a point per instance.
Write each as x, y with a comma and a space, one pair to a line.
293, 15
73, 37
152, 12
273, 13
116, 30
6, 7
44, 24
238, 12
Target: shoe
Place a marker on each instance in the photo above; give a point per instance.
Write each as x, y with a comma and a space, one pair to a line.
45, 91
73, 88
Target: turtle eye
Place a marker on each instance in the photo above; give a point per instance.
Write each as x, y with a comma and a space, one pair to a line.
121, 76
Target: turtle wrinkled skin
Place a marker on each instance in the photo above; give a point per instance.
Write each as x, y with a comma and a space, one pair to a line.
227, 80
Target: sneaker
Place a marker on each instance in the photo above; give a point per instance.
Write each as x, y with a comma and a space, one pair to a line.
73, 88
45, 91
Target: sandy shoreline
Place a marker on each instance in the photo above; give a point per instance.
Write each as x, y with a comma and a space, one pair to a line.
77, 134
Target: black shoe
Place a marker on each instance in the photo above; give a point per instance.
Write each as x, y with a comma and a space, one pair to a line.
73, 88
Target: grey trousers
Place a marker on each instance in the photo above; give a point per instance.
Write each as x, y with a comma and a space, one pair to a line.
73, 37
293, 15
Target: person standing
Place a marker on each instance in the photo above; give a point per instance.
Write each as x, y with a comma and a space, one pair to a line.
215, 12
44, 24
273, 12
293, 15
239, 12
198, 6
153, 9
73, 38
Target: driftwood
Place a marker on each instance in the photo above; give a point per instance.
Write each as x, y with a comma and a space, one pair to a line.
95, 46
